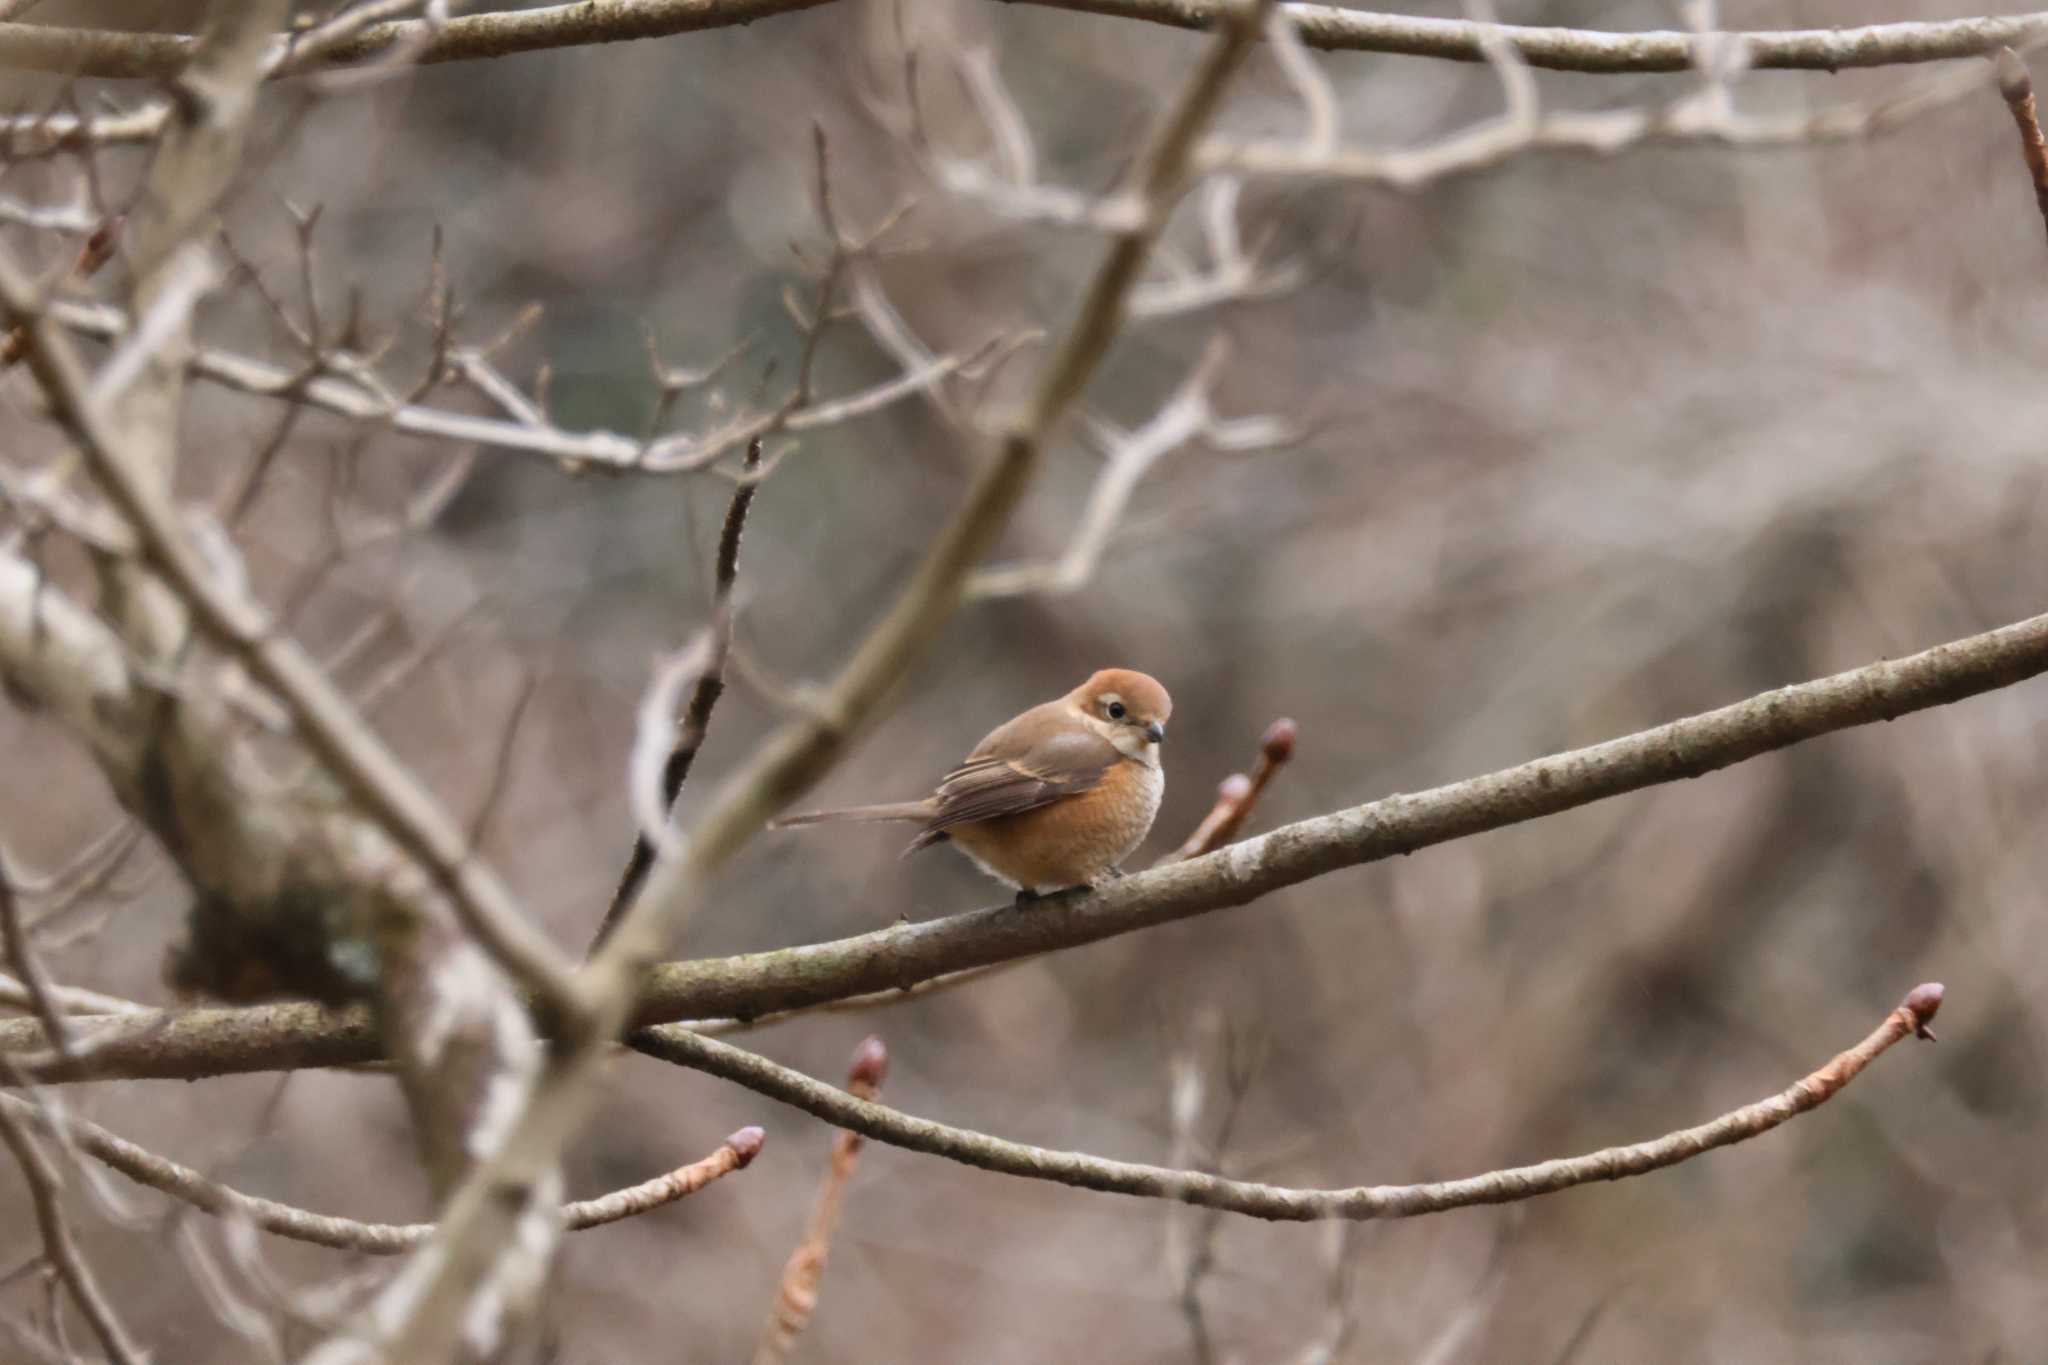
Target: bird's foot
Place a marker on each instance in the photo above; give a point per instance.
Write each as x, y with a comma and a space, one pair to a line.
1027, 897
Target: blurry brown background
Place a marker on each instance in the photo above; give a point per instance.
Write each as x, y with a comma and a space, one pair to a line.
1598, 443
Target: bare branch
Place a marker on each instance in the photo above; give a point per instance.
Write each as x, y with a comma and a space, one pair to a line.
421, 1317
58, 1246
710, 686
1704, 116
145, 1167
329, 725
1238, 794
192, 1044
504, 33
1273, 1201
2018, 88
796, 1294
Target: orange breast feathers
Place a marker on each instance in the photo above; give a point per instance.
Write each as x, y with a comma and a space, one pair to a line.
1074, 841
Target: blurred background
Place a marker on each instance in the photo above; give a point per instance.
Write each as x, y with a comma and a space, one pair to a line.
1591, 444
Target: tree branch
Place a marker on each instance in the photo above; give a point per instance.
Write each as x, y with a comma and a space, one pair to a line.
160, 1173
198, 1043
1363, 1202
796, 1294
90, 52
423, 1316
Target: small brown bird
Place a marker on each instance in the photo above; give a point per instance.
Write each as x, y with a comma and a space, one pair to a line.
1055, 797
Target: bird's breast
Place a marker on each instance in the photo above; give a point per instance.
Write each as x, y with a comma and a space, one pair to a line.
1073, 841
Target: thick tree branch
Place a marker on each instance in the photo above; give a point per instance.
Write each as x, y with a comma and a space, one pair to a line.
325, 720
145, 56
892, 1126
198, 1043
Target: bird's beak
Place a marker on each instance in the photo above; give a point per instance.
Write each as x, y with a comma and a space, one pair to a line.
1155, 732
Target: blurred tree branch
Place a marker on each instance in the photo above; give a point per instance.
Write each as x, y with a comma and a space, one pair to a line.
91, 52
181, 1182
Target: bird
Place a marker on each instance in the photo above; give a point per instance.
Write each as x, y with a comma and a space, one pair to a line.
1055, 797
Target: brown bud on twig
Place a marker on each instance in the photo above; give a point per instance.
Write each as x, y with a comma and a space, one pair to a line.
1924, 1001
870, 1068
1237, 794
2018, 89
1277, 745
746, 1144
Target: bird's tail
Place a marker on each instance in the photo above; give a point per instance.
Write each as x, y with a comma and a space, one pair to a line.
896, 810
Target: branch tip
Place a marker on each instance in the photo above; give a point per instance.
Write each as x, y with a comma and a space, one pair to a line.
870, 1067
2013, 81
1923, 1002
1276, 746
746, 1144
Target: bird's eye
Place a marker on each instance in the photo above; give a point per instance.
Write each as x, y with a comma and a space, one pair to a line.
1116, 710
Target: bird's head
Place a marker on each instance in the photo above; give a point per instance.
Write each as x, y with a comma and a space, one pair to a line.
1127, 708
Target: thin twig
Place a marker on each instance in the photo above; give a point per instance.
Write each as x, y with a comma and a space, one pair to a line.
696, 722
1237, 794
22, 956
2018, 89
160, 1173
1360, 1203
326, 721
796, 1294
58, 1246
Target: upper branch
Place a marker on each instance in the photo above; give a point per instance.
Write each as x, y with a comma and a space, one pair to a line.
148, 55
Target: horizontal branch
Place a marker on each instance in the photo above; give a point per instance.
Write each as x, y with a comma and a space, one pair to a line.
94, 52
198, 1043
159, 1173
883, 1124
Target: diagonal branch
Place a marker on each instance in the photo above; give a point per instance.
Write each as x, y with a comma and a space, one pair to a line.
710, 686
200, 1043
892, 1126
449, 1289
59, 1246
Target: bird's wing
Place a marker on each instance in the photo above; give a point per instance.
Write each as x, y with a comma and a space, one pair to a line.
1007, 778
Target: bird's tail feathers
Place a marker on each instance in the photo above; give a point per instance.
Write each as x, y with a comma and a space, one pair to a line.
895, 810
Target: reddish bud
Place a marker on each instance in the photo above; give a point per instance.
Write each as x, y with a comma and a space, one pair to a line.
1924, 1001
1277, 746
1233, 789
746, 1143
870, 1064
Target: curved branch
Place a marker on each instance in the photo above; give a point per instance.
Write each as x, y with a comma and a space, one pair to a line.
192, 1044
160, 1173
91, 52
1078, 1169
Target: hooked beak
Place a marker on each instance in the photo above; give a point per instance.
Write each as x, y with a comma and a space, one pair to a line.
1155, 732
